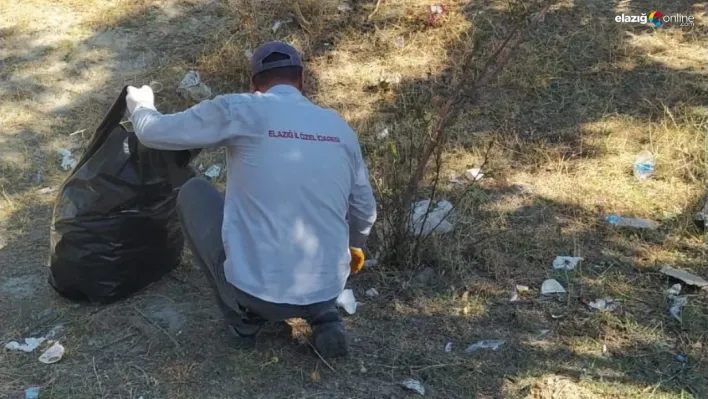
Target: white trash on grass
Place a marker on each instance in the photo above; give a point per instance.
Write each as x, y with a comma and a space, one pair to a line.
347, 301
566, 262
448, 347
606, 304
620, 221
53, 354
677, 302
191, 87
344, 7
492, 344
383, 134
213, 172
519, 289
436, 220
551, 286
414, 385
474, 174
276, 26
29, 345
686, 277
67, 160
372, 293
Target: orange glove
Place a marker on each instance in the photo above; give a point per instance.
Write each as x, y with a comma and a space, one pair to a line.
357, 262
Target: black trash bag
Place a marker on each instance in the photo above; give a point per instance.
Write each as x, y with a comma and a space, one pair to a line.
114, 227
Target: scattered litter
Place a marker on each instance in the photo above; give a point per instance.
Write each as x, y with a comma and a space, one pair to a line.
436, 220
55, 333
436, 11
362, 368
276, 26
519, 289
29, 345
201, 167
32, 393
213, 172
344, 7
566, 262
372, 293
248, 54
485, 344
448, 347
53, 354
77, 132
674, 290
677, 302
369, 263
631, 222
604, 348
347, 301
541, 333
46, 190
474, 174
554, 85
383, 134
399, 42
551, 286
606, 304
644, 165
557, 316
67, 160
414, 385
682, 357
191, 87
686, 277
156, 86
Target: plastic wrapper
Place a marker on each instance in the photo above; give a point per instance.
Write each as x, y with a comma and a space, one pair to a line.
114, 227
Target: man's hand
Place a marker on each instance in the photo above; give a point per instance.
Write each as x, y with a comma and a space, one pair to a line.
357, 262
139, 97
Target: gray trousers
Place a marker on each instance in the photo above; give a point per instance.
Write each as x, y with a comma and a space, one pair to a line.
201, 211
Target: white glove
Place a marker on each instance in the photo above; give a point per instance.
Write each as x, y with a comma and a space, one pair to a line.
142, 97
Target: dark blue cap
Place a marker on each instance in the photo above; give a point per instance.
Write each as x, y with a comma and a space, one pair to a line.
266, 49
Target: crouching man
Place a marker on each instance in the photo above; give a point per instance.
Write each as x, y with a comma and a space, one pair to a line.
298, 206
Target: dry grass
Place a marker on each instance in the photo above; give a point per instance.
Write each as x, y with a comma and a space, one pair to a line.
567, 117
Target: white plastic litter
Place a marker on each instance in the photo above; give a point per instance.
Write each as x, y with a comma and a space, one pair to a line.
631, 222
347, 301
344, 7
436, 221
383, 134
414, 385
437, 9
551, 286
213, 172
686, 277
67, 160
674, 290
677, 302
518, 290
53, 354
522, 288
492, 344
566, 262
276, 26
399, 42
29, 345
46, 190
448, 347
248, 54
191, 87
474, 174
372, 293
606, 304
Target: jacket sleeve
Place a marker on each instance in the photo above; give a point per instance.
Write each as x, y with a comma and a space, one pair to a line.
211, 123
362, 205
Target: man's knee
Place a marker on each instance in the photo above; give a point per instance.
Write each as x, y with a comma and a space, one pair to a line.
191, 191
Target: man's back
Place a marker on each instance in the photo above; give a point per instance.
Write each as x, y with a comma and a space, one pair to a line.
295, 172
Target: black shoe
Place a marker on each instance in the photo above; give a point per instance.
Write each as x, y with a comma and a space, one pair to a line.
330, 339
242, 340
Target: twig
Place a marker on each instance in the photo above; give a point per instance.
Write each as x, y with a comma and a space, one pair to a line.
378, 3
98, 379
174, 341
449, 110
320, 356
131, 335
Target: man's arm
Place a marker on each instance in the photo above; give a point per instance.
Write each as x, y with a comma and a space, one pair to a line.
210, 123
362, 205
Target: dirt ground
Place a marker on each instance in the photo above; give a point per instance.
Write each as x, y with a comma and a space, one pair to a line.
581, 98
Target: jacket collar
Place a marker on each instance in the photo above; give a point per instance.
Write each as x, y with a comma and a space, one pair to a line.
284, 90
